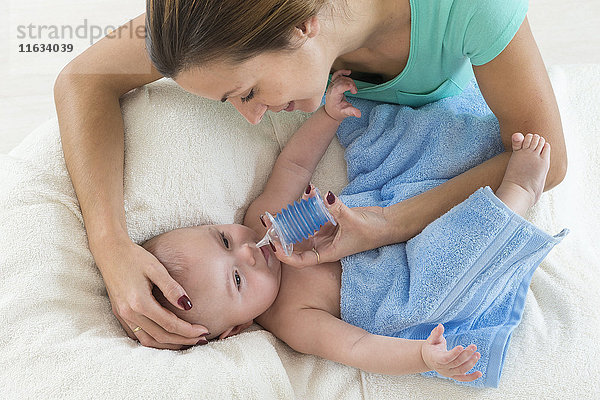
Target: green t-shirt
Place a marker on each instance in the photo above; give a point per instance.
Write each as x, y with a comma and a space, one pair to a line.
447, 38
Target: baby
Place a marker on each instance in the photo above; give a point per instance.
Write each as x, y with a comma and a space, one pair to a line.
233, 283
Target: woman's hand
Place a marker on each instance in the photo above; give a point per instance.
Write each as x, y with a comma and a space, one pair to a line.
452, 364
129, 272
358, 229
336, 105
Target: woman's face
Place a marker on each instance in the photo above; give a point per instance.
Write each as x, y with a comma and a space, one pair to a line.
276, 81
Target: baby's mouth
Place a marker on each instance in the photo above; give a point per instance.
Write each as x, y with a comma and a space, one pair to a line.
265, 252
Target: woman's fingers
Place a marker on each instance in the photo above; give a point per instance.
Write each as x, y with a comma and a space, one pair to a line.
172, 290
297, 259
309, 192
148, 341
125, 326
166, 325
153, 333
337, 209
353, 233
168, 321
129, 286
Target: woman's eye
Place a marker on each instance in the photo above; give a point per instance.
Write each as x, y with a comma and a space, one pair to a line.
238, 280
249, 97
225, 241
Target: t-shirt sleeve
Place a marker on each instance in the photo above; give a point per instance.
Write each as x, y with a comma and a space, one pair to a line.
489, 26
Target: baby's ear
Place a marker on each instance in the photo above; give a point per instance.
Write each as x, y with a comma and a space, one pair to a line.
236, 329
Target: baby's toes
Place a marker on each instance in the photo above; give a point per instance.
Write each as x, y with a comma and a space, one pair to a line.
517, 141
540, 145
534, 142
527, 141
546, 152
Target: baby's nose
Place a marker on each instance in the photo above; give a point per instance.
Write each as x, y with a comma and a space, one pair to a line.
248, 250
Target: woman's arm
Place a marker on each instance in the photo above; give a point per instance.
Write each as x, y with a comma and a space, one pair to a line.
517, 89
87, 95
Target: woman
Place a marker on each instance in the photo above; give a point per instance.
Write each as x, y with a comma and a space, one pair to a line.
276, 55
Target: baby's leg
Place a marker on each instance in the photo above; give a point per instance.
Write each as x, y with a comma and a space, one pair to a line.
526, 172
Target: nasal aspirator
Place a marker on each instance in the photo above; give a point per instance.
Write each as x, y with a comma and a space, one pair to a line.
296, 222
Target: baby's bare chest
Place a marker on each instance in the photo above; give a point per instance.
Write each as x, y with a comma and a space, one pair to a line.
313, 287
316, 287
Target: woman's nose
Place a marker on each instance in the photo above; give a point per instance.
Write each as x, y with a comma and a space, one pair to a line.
253, 112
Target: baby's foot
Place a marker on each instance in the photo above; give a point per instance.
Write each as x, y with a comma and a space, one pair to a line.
526, 172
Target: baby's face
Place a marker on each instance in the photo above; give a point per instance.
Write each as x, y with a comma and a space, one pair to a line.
229, 278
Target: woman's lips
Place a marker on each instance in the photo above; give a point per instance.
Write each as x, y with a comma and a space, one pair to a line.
291, 106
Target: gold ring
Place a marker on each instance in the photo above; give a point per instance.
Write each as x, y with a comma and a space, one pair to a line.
137, 328
317, 254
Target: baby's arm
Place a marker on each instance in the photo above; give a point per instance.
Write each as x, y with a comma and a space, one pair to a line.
317, 332
298, 160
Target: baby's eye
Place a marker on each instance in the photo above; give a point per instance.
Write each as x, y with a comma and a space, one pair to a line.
225, 241
238, 280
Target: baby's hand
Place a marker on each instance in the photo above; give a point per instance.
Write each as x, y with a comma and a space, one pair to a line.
452, 364
335, 102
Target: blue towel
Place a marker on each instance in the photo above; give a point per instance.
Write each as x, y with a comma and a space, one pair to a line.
469, 269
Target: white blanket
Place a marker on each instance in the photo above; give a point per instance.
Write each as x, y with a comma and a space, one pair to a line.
192, 161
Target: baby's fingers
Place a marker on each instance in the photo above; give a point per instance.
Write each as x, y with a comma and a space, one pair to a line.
468, 378
351, 111
342, 85
468, 365
462, 357
339, 73
451, 355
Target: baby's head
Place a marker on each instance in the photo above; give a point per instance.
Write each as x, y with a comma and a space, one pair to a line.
228, 279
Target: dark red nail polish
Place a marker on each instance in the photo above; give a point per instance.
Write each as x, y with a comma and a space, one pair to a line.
307, 191
205, 334
202, 342
262, 221
330, 198
272, 247
185, 302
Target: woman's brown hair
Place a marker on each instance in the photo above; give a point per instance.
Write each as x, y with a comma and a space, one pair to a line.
181, 34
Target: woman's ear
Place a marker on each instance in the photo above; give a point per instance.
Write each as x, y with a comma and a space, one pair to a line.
235, 329
308, 29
